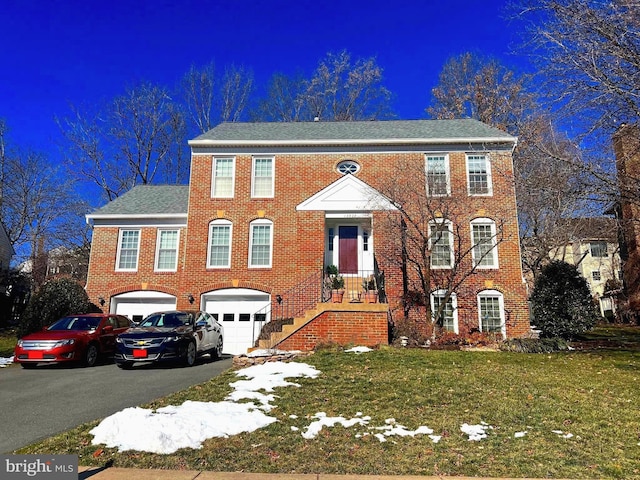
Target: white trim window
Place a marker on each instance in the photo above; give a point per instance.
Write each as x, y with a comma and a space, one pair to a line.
598, 249
479, 175
483, 238
437, 172
167, 242
491, 312
262, 177
219, 251
450, 311
222, 177
441, 244
260, 243
128, 250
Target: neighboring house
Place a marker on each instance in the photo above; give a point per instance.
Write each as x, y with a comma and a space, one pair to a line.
64, 262
271, 205
593, 249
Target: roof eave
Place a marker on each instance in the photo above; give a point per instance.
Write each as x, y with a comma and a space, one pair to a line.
389, 141
130, 216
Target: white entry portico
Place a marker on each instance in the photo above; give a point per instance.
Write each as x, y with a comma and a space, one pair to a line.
348, 204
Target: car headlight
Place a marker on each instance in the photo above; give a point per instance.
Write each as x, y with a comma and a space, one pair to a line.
20, 343
119, 340
173, 338
62, 343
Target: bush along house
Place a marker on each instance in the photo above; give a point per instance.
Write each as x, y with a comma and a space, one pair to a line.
307, 233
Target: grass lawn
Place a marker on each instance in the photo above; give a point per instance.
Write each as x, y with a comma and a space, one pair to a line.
7, 342
591, 394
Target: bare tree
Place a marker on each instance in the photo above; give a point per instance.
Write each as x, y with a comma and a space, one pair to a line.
588, 52
438, 253
284, 101
210, 100
338, 90
137, 138
549, 183
472, 86
40, 210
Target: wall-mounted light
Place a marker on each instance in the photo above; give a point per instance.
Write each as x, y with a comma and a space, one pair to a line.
279, 299
101, 300
190, 298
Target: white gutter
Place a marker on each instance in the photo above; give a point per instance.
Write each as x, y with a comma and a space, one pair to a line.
390, 141
129, 216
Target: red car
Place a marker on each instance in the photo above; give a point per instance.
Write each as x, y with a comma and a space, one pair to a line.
74, 338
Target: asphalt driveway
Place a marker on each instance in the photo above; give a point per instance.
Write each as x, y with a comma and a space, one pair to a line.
37, 403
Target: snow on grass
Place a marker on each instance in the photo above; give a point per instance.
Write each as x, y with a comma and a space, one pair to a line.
359, 350
476, 432
171, 428
4, 361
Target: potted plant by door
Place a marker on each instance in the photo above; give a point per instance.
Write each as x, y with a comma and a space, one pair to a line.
370, 289
335, 282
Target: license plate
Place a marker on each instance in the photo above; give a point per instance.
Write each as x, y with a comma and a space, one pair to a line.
140, 354
36, 355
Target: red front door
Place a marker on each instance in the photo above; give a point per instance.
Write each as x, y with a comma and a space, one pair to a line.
348, 250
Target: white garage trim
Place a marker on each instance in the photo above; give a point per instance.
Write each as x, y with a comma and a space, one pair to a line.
236, 310
138, 304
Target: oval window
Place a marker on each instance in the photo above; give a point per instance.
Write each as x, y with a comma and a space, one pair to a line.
348, 167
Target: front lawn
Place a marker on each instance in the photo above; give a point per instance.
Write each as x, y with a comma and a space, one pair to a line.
564, 415
7, 342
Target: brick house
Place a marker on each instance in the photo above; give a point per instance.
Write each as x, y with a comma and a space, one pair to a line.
270, 205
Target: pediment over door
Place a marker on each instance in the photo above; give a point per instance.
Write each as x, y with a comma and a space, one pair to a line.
348, 193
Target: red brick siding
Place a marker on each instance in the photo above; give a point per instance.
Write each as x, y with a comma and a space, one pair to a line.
344, 328
298, 248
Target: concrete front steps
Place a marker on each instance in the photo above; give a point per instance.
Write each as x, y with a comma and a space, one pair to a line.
343, 323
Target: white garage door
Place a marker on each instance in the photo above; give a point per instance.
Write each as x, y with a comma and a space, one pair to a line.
137, 305
237, 309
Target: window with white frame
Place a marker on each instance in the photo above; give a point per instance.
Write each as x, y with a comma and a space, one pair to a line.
437, 169
219, 251
167, 250
222, 181
441, 243
262, 177
128, 250
598, 249
449, 313
479, 175
260, 243
485, 250
491, 312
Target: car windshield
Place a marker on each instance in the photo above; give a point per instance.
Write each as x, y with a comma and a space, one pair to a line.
76, 323
166, 319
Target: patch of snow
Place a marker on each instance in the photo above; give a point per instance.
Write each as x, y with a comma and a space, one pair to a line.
476, 432
314, 428
170, 428
520, 434
266, 352
359, 350
4, 361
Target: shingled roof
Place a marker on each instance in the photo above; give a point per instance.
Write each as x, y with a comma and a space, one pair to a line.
394, 131
147, 200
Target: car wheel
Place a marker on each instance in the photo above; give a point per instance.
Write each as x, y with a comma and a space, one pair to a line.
217, 351
190, 354
28, 365
91, 355
125, 365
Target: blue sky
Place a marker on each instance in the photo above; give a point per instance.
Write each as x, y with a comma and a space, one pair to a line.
57, 53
